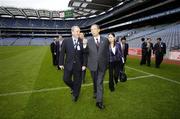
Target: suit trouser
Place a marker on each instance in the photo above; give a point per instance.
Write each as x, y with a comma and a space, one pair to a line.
148, 59
114, 68
54, 59
83, 75
75, 83
57, 58
98, 77
143, 59
125, 58
159, 59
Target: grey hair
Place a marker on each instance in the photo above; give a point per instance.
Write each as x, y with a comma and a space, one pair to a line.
73, 27
96, 26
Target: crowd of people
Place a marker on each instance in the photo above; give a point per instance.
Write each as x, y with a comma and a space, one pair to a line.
55, 47
159, 50
75, 54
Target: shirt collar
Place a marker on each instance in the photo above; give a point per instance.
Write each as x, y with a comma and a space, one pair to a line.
74, 38
98, 37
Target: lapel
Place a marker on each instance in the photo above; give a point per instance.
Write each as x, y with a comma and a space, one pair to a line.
93, 44
71, 44
101, 43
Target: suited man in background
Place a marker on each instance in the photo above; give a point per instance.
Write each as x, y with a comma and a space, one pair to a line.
53, 51
125, 48
143, 52
149, 48
159, 51
72, 49
58, 49
98, 56
84, 41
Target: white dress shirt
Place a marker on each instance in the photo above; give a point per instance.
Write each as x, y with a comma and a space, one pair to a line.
95, 38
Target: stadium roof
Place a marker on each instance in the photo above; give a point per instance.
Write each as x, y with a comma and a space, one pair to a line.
92, 7
77, 9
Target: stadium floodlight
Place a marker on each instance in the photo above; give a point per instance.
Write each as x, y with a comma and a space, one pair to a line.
111, 9
76, 4
84, 5
87, 10
88, 0
120, 3
92, 16
102, 13
6, 16
70, 18
82, 17
93, 11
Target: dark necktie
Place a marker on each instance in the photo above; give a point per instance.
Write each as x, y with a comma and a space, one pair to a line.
97, 43
160, 47
75, 43
122, 49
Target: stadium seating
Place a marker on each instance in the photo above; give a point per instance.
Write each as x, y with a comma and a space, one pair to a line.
7, 41
36, 23
22, 42
170, 34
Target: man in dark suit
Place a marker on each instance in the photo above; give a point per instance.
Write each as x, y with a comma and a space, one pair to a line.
53, 52
125, 48
98, 56
72, 49
149, 48
58, 49
159, 51
143, 52
84, 41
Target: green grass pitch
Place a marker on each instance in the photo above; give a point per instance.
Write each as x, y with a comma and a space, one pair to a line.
31, 88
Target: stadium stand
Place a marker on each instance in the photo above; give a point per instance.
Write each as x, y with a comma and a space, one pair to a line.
123, 19
170, 34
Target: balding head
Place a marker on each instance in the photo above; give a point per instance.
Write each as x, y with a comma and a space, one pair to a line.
95, 30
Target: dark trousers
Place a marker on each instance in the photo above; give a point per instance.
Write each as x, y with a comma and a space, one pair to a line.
125, 58
94, 75
143, 59
148, 59
75, 83
54, 61
98, 78
83, 76
159, 59
114, 70
57, 58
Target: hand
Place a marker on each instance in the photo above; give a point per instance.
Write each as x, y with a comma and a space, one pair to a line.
61, 67
83, 68
54, 53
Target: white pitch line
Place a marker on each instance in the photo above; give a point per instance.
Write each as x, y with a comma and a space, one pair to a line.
164, 78
60, 88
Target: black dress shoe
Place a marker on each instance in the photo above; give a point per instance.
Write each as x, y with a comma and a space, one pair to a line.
74, 98
94, 96
157, 66
71, 91
100, 105
116, 81
112, 89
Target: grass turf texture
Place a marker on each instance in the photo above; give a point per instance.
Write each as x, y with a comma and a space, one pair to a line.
30, 69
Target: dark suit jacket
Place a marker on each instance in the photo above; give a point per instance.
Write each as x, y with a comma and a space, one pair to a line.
159, 48
149, 51
126, 49
143, 47
74, 58
118, 54
53, 47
